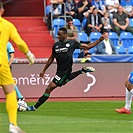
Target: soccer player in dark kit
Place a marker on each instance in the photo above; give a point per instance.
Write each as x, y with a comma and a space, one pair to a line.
62, 51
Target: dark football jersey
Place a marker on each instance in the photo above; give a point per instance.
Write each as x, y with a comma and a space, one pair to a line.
63, 52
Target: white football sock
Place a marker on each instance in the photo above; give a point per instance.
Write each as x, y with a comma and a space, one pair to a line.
131, 91
128, 99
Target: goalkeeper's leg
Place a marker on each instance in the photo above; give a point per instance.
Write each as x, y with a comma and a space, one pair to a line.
11, 104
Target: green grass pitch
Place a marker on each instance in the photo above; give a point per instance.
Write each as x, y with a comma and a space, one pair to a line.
72, 117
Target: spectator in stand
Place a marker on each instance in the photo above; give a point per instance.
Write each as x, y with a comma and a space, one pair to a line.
112, 6
71, 9
100, 6
87, 58
84, 8
72, 31
121, 21
106, 22
57, 10
127, 7
94, 23
106, 46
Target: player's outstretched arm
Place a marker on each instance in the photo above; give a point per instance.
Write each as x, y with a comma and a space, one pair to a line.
48, 63
93, 44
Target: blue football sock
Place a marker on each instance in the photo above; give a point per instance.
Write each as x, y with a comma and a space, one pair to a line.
19, 95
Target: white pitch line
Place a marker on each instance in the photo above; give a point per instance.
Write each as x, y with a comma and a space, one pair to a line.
71, 122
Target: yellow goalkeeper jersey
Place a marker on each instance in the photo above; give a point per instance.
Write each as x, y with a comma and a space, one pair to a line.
8, 32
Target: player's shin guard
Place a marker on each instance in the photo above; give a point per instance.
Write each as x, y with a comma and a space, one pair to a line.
11, 107
41, 100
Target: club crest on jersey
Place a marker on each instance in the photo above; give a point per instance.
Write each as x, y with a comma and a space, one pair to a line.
67, 45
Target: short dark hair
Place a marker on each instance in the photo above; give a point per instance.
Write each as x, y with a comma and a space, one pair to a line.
1, 5
69, 19
94, 9
87, 54
63, 29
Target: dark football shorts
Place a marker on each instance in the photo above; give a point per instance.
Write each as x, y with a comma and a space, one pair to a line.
61, 80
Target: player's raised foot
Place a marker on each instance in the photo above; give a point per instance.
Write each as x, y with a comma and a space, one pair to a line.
88, 69
30, 108
15, 129
123, 111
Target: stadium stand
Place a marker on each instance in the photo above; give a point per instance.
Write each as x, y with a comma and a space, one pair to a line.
84, 23
47, 9
77, 23
120, 50
130, 50
126, 39
34, 31
131, 22
56, 24
76, 53
83, 37
94, 36
92, 50
114, 37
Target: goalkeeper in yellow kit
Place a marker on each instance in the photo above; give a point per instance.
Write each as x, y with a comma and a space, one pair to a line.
9, 32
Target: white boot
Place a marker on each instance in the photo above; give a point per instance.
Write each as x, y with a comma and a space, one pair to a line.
15, 129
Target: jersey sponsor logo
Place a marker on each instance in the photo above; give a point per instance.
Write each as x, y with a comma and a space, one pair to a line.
57, 77
61, 50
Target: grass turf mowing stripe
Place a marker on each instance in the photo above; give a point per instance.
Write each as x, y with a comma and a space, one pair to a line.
72, 117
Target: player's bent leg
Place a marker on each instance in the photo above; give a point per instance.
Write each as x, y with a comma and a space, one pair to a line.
43, 98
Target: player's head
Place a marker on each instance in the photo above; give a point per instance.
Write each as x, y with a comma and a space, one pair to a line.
1, 9
70, 21
62, 34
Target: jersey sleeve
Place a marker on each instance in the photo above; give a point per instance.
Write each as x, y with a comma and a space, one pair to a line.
77, 45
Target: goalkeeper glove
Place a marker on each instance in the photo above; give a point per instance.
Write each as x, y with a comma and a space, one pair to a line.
30, 57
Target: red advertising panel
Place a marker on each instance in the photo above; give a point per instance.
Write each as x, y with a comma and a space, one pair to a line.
107, 81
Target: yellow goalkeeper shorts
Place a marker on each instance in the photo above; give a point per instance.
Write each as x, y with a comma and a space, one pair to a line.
5, 75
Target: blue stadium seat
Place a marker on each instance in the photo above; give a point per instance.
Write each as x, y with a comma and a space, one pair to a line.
131, 22
47, 9
77, 23
92, 50
126, 39
114, 37
120, 50
94, 36
130, 50
76, 53
84, 23
83, 37
56, 24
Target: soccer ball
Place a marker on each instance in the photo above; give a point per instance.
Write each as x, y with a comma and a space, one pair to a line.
22, 105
